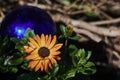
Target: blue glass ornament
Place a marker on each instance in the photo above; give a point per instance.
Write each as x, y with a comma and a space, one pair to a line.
18, 20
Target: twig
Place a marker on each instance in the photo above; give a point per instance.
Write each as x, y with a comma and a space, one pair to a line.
101, 3
1, 19
83, 38
48, 7
115, 63
84, 25
48, 2
96, 7
106, 15
105, 22
92, 36
1, 16
116, 54
76, 12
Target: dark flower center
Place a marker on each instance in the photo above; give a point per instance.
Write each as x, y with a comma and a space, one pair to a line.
43, 52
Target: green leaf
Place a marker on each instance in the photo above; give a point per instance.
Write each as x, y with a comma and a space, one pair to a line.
17, 61
72, 50
82, 61
62, 28
19, 43
71, 73
89, 64
1, 60
29, 33
56, 68
61, 36
90, 14
3, 69
14, 70
81, 53
88, 68
15, 40
46, 77
74, 37
88, 55
4, 44
80, 69
25, 65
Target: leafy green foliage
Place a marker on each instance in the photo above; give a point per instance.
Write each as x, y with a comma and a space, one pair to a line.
55, 71
62, 28
29, 33
4, 44
16, 60
71, 73
10, 60
74, 60
67, 32
80, 61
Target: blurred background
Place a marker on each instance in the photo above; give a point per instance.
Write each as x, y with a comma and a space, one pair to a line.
96, 21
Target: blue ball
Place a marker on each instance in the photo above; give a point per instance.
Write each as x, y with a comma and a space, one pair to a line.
18, 20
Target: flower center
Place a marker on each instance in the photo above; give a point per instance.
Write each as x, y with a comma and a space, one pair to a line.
43, 52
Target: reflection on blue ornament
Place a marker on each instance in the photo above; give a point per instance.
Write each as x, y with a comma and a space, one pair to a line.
20, 32
18, 20
20, 28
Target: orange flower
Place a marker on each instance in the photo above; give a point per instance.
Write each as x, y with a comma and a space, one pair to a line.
42, 52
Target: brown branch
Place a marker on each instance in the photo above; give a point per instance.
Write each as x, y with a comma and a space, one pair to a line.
92, 36
87, 26
105, 22
105, 15
116, 54
57, 8
1, 16
100, 4
111, 60
48, 7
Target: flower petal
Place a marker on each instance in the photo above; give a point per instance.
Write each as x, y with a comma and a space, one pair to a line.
31, 45
28, 50
38, 40
33, 42
35, 51
42, 40
32, 64
50, 65
38, 58
42, 65
38, 66
54, 52
57, 46
52, 42
48, 41
57, 57
53, 61
46, 38
46, 65
25, 47
32, 55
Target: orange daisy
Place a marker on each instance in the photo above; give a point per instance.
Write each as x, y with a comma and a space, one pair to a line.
42, 52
